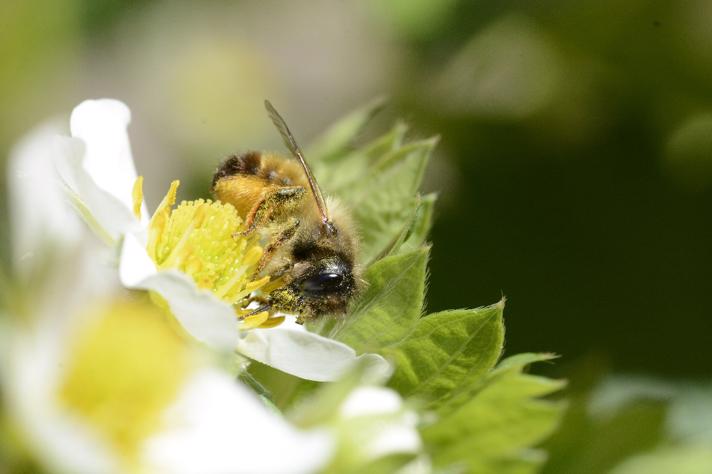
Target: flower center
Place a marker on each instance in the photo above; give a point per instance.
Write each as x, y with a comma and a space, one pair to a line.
204, 239
123, 369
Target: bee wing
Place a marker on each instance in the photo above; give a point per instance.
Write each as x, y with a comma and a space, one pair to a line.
291, 144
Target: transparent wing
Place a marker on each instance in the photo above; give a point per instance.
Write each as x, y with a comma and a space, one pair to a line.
291, 144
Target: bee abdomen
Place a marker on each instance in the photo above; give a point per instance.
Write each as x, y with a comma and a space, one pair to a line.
249, 163
259, 165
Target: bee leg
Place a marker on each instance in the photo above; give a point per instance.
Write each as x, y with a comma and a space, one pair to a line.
261, 300
275, 206
258, 310
286, 234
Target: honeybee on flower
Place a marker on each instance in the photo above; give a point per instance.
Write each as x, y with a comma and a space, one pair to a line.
195, 259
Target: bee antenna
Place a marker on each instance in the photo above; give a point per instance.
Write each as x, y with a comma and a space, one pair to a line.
291, 144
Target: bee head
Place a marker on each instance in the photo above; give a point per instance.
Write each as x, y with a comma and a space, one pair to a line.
330, 276
323, 275
319, 287
324, 282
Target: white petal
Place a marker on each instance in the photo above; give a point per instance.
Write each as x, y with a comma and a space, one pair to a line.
41, 216
50, 243
371, 401
104, 212
102, 124
397, 434
33, 365
218, 426
135, 265
307, 355
397, 437
201, 314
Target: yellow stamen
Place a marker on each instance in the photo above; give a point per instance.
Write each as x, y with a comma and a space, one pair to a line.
272, 322
205, 240
253, 255
256, 284
256, 320
160, 219
123, 369
137, 195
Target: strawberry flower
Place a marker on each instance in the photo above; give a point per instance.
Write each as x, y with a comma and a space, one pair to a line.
114, 389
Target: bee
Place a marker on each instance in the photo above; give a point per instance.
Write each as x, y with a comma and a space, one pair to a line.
310, 244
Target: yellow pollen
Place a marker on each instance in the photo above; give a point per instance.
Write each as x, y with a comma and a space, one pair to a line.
203, 239
123, 369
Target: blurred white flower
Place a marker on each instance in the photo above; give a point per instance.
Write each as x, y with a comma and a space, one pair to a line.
49, 242
98, 170
368, 423
115, 389
385, 425
40, 215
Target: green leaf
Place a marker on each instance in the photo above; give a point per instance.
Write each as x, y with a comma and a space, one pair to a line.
494, 430
421, 224
351, 167
415, 232
391, 303
280, 387
446, 351
378, 182
386, 143
466, 392
384, 201
337, 139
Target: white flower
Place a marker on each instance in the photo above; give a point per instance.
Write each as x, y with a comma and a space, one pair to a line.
368, 424
393, 429
38, 208
115, 390
49, 242
97, 167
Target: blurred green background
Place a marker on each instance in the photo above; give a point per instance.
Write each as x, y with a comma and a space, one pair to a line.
575, 162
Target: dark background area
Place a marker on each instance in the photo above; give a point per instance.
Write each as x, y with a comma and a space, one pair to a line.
575, 162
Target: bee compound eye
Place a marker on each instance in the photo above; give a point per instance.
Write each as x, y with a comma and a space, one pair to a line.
324, 282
